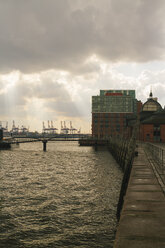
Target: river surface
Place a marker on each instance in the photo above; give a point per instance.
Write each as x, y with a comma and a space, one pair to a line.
65, 197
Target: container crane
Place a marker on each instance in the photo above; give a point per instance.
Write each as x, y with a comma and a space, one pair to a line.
72, 129
52, 128
14, 129
66, 129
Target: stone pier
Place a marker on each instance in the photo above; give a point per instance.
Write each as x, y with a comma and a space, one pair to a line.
142, 221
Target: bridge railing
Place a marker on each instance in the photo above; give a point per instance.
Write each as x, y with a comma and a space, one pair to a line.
157, 153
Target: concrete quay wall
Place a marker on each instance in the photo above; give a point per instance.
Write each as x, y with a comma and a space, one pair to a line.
142, 221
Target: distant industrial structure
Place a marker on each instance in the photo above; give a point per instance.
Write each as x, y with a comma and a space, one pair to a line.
4, 126
47, 131
50, 129
16, 129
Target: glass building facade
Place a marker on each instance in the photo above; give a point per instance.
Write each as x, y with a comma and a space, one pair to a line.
111, 101
110, 111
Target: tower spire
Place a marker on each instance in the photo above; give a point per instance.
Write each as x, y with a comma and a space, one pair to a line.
150, 95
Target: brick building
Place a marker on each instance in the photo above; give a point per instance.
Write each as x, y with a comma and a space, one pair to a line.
152, 121
112, 110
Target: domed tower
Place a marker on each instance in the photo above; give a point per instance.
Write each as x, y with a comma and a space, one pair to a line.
152, 121
150, 106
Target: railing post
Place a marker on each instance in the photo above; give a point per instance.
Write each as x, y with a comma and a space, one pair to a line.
96, 145
162, 162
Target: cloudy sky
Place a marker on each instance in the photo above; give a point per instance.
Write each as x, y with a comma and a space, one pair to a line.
56, 54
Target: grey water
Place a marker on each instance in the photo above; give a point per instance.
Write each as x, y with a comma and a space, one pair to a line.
65, 197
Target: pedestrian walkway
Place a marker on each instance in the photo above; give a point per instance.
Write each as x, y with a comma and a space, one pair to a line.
142, 221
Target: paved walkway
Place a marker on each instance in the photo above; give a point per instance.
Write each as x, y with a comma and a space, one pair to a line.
142, 222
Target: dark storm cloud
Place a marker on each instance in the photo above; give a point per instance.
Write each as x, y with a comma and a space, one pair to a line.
38, 35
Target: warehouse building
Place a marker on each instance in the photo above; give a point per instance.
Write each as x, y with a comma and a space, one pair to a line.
111, 112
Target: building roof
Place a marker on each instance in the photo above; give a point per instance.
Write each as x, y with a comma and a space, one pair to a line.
151, 105
156, 118
146, 114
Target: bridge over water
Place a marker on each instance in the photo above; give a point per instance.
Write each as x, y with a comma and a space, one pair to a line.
8, 141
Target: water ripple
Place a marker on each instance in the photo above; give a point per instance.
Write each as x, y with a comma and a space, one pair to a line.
65, 197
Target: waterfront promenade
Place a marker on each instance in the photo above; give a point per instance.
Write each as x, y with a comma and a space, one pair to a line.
142, 221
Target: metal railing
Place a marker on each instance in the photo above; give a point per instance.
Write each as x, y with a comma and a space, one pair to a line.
157, 153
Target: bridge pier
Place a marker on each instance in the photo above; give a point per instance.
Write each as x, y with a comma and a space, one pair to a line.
44, 145
96, 148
